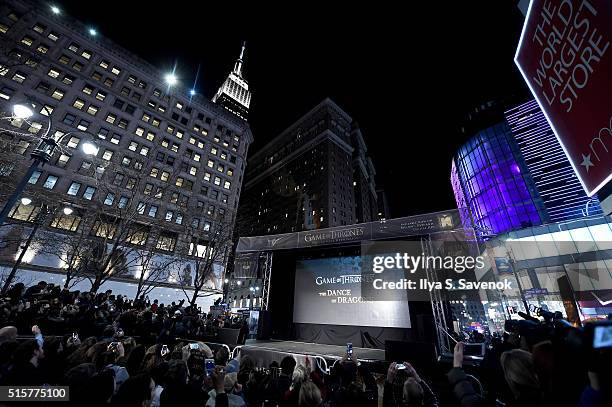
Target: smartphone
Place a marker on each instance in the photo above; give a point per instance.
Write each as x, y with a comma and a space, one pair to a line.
400, 366
474, 349
194, 346
75, 336
112, 347
164, 350
602, 336
119, 333
209, 366
349, 350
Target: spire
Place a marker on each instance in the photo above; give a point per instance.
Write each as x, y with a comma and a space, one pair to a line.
238, 64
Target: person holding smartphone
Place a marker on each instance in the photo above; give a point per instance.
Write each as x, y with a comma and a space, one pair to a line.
404, 386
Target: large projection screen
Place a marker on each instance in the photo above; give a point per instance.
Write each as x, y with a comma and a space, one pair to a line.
327, 292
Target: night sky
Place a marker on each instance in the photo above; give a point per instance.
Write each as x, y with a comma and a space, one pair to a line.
408, 76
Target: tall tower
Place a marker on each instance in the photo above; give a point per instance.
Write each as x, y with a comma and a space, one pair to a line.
234, 94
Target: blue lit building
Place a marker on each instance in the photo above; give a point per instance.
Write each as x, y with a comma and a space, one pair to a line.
551, 171
514, 174
492, 185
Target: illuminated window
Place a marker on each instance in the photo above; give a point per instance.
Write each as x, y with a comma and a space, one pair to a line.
74, 188
57, 94
50, 181
78, 104
110, 198
54, 73
89, 193
66, 222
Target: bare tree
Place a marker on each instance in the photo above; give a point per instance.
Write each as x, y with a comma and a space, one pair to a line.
203, 255
153, 269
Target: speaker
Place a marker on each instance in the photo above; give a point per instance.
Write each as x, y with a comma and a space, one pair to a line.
264, 328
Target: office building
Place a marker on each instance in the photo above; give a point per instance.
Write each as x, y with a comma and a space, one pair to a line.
315, 174
234, 94
175, 154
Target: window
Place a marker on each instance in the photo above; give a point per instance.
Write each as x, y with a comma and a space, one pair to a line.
126, 161
123, 201
19, 77
169, 215
77, 66
6, 92
152, 211
78, 104
119, 104
66, 222
69, 119
54, 73
224, 198
64, 59
157, 92
35, 177
92, 110
144, 151
116, 71
86, 54
154, 172
131, 79
73, 190
74, 47
123, 124
107, 155
125, 91
68, 79
131, 183
50, 181
27, 41
103, 64
62, 160
111, 118
103, 133
193, 170
118, 180
88, 90
207, 176
39, 28
100, 96
165, 176
89, 193
105, 229
166, 242
115, 139
133, 146
179, 182
42, 48
110, 198
73, 142
83, 125
130, 109
57, 94
217, 181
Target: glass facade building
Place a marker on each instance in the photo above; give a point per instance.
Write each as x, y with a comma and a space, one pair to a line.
551, 171
492, 185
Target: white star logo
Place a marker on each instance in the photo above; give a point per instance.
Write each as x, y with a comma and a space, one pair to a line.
586, 161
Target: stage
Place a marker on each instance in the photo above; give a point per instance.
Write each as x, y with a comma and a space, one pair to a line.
265, 352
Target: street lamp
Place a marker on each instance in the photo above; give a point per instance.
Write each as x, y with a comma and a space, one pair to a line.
55, 10
21, 111
93, 32
42, 154
171, 79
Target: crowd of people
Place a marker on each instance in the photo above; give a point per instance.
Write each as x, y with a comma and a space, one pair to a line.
115, 352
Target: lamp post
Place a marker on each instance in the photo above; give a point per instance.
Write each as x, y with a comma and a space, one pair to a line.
41, 155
